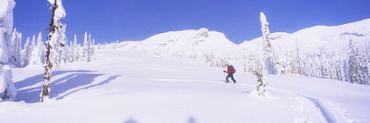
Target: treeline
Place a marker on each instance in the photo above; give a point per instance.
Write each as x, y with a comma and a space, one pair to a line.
353, 68
33, 51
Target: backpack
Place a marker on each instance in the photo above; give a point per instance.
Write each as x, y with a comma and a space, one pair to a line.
232, 69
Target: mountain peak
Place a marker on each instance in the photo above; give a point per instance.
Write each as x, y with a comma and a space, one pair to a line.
186, 43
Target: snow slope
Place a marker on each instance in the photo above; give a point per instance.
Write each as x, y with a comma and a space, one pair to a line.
132, 87
213, 48
191, 44
195, 44
332, 38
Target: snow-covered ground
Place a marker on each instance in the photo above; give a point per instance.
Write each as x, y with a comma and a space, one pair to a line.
127, 86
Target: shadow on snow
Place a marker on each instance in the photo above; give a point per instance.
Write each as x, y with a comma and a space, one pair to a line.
77, 79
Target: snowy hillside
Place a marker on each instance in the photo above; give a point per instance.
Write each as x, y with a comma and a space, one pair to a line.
215, 49
332, 38
127, 86
192, 44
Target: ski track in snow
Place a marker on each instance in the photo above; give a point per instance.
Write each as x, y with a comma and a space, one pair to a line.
325, 112
329, 117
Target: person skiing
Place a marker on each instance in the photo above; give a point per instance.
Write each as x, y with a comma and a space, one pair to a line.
230, 71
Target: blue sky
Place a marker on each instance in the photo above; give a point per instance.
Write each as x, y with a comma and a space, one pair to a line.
110, 20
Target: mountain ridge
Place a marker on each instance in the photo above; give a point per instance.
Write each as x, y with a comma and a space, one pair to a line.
206, 45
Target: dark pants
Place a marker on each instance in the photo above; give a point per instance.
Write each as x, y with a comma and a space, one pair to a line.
230, 75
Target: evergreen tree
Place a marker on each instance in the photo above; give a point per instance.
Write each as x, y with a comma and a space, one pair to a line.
88, 59
85, 49
41, 45
38, 55
71, 52
258, 72
296, 64
353, 64
26, 52
33, 42
324, 64
338, 69
281, 65
15, 48
92, 50
267, 48
358, 68
80, 52
76, 49
31, 54
366, 65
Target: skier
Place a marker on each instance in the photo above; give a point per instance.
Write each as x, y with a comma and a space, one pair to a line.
230, 71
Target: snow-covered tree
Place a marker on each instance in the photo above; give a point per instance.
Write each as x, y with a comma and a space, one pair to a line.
80, 52
261, 87
359, 71
26, 53
38, 53
32, 46
92, 49
324, 63
33, 42
15, 48
366, 65
354, 67
63, 46
281, 65
64, 52
7, 89
55, 43
258, 71
88, 49
71, 51
296, 63
85, 49
267, 48
88, 59
76, 49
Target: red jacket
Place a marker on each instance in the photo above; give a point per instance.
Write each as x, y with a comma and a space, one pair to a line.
229, 70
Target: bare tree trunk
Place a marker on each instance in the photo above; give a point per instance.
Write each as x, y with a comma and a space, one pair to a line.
46, 86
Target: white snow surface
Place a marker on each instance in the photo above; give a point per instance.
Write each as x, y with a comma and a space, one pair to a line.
133, 87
